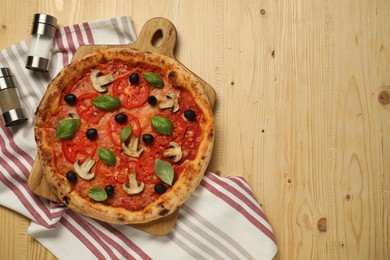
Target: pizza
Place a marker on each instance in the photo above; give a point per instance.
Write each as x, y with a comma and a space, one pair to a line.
124, 136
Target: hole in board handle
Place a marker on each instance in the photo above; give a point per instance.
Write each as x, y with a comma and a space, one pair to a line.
157, 38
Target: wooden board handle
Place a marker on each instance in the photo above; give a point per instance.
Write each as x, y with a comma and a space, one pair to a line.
153, 30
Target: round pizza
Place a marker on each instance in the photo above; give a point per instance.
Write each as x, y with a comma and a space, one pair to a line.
124, 136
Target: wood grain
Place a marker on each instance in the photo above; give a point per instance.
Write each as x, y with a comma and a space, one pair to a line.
301, 112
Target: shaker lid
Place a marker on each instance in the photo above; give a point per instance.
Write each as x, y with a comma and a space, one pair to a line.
5, 72
6, 79
44, 24
46, 19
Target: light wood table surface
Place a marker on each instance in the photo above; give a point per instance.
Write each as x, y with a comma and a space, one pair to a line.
303, 111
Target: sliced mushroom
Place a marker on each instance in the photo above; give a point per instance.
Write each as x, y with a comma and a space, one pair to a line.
133, 187
84, 170
99, 81
132, 149
171, 102
174, 151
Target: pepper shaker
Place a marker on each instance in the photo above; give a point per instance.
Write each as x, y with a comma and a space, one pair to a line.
13, 112
43, 34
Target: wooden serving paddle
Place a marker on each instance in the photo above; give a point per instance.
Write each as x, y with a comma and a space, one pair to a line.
154, 29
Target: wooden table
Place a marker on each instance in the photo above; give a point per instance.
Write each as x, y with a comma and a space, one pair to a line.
303, 110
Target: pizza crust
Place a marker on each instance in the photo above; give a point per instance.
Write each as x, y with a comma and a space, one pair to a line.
184, 186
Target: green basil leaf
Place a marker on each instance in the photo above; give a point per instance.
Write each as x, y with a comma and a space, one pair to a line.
107, 156
97, 194
154, 79
106, 102
125, 133
164, 171
162, 124
66, 128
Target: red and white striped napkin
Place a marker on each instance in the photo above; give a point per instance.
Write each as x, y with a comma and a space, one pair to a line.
221, 220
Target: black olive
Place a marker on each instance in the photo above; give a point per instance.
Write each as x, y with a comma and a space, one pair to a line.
71, 176
70, 99
121, 118
190, 114
91, 133
134, 78
152, 100
109, 190
160, 188
147, 138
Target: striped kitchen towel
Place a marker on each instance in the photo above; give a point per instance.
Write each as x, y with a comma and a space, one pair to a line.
221, 220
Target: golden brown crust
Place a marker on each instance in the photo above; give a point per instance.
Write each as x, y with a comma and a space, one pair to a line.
58, 183
182, 188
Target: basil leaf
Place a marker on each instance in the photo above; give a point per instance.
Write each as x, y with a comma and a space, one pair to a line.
125, 133
66, 128
107, 156
106, 102
97, 194
153, 79
162, 124
164, 171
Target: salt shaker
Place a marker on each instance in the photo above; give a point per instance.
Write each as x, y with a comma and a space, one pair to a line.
43, 33
13, 112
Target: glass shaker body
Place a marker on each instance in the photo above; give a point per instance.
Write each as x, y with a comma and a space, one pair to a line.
43, 34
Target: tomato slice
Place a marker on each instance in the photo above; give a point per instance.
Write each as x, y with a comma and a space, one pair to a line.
118, 173
86, 109
178, 133
145, 167
78, 148
131, 96
115, 128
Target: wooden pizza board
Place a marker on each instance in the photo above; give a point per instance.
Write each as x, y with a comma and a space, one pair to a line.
158, 35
